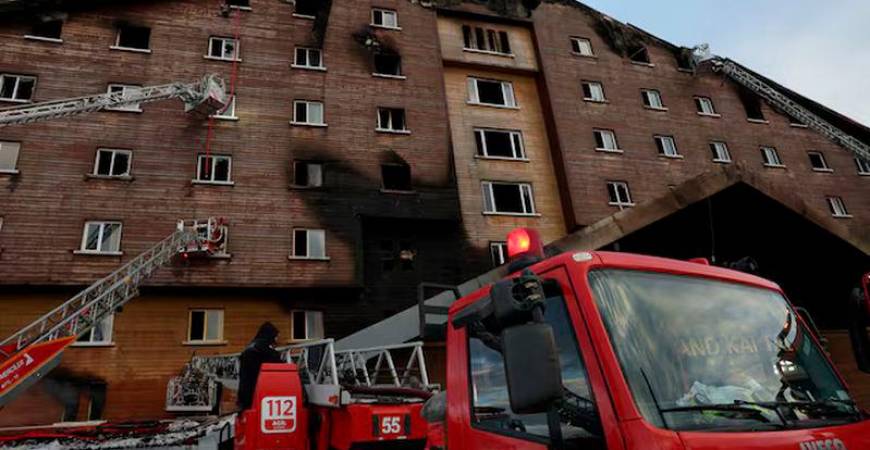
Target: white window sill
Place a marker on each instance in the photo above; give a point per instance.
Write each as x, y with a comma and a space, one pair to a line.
798, 125
592, 100
622, 205
841, 216
389, 131
759, 121
385, 27
308, 258
643, 64
584, 55
215, 58
610, 150
307, 124
304, 16
93, 176
227, 118
713, 115
501, 158
386, 75
204, 343
775, 166
126, 110
722, 161
488, 52
93, 344
43, 39
492, 105
14, 100
9, 171
96, 253
509, 214
213, 183
864, 174
130, 49
314, 68
827, 170
671, 156
398, 192
653, 108
241, 8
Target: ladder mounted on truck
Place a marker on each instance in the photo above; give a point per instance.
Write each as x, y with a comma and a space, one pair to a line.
331, 378
776, 98
28, 354
204, 97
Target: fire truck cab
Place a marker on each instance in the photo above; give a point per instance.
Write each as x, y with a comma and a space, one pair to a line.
599, 350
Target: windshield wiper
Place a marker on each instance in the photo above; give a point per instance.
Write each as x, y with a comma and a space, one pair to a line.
829, 406
748, 408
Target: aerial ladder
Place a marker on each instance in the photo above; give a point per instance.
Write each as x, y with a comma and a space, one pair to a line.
204, 97
776, 98
31, 352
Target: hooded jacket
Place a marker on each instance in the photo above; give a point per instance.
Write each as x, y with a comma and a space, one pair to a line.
259, 351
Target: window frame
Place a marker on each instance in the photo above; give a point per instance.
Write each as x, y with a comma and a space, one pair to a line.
525, 191
518, 145
83, 250
603, 132
297, 164
17, 146
136, 107
118, 46
702, 103
863, 166
237, 49
621, 203
307, 256
213, 157
397, 76
114, 152
663, 150
205, 340
501, 248
384, 187
825, 167
104, 343
230, 107
392, 12
18, 77
647, 94
307, 52
485, 35
308, 332
56, 40
594, 87
308, 104
577, 40
766, 151
837, 207
507, 89
716, 153
390, 119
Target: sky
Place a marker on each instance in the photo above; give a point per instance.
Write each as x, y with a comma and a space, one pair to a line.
818, 48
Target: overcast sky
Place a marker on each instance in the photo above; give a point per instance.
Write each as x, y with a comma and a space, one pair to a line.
819, 48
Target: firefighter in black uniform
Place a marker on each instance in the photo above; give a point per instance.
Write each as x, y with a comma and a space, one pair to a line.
260, 350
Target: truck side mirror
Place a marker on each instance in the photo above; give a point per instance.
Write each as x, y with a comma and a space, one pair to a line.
859, 329
534, 376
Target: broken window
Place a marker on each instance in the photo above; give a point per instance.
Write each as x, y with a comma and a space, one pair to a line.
112, 162
498, 253
771, 157
133, 37
618, 194
397, 255
391, 119
582, 46
214, 169
388, 64
396, 177
131, 107
308, 58
17, 88
224, 48
491, 92
818, 162
796, 123
720, 152
593, 91
863, 164
705, 106
307, 325
752, 105
228, 111
486, 40
667, 146
100, 334
639, 54
9, 156
309, 244
205, 326
49, 30
307, 8
385, 18
493, 143
101, 237
308, 174
652, 99
605, 141
508, 198
838, 207
307, 112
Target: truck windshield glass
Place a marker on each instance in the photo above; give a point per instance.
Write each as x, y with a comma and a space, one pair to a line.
686, 342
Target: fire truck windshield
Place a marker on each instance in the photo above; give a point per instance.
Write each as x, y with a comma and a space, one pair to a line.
700, 354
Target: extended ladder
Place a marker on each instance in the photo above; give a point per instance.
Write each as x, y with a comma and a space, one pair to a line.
205, 97
25, 352
790, 107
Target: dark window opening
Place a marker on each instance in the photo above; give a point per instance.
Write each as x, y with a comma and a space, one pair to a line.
639, 55
817, 160
752, 105
97, 401
490, 92
239, 3
396, 177
307, 7
197, 326
50, 29
508, 198
308, 174
498, 143
392, 119
299, 326
134, 37
388, 64
477, 38
407, 254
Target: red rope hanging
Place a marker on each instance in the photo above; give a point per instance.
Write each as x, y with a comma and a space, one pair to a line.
237, 29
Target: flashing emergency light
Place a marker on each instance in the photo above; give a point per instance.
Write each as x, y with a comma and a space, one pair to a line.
524, 241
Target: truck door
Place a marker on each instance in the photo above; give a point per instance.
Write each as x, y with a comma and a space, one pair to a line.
487, 421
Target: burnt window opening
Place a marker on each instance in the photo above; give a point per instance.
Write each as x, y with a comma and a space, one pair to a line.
639, 54
134, 37
818, 162
241, 4
308, 174
752, 105
96, 401
396, 177
50, 29
388, 64
397, 255
307, 8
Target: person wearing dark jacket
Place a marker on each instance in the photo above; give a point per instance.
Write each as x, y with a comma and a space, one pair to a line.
260, 350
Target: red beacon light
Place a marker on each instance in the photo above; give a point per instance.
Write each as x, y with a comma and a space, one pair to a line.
524, 244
